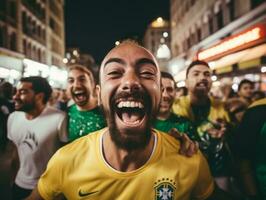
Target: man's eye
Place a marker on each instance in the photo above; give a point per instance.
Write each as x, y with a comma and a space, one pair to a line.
70, 80
114, 74
147, 74
82, 79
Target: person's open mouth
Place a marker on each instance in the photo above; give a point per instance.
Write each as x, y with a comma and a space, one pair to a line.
202, 85
80, 95
131, 112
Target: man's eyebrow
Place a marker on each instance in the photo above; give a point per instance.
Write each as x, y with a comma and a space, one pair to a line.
146, 61
116, 60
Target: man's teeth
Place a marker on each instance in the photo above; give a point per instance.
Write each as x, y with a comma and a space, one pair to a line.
78, 92
130, 104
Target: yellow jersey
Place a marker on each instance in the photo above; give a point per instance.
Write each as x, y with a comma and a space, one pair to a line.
182, 107
79, 171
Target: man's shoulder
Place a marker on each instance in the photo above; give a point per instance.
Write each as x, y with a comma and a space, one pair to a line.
51, 111
261, 102
16, 114
217, 103
184, 100
172, 146
82, 143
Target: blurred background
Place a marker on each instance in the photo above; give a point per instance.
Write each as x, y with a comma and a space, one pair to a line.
43, 37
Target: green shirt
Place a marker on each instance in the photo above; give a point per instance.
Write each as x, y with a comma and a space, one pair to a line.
182, 124
81, 123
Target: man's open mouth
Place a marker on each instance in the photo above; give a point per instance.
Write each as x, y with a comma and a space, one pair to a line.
130, 112
80, 95
202, 85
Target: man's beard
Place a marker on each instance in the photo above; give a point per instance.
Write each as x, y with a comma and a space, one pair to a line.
132, 141
26, 107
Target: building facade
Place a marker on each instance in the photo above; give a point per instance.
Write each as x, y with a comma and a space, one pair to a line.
220, 32
157, 40
32, 37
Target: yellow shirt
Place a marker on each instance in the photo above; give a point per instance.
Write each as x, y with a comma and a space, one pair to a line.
182, 106
79, 171
258, 103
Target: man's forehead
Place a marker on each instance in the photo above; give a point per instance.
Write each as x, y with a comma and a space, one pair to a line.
128, 51
200, 68
78, 72
167, 81
24, 85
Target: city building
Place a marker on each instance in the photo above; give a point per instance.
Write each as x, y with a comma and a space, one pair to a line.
229, 34
32, 39
157, 40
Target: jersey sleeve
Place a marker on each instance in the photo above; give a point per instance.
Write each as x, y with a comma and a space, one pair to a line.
50, 183
62, 129
205, 183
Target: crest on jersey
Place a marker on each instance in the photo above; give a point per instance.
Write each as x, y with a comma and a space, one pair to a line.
165, 189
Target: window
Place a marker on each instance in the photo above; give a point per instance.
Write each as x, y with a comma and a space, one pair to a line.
34, 53
231, 7
52, 24
39, 55
12, 9
24, 22
1, 37
39, 31
13, 42
25, 47
29, 50
199, 33
210, 25
220, 21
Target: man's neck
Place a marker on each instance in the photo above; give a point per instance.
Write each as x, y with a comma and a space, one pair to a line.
199, 100
246, 99
123, 160
92, 103
35, 112
163, 116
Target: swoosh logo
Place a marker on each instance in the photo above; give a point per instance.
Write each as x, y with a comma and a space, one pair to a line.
83, 194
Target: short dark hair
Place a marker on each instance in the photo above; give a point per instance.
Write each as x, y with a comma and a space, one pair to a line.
245, 81
169, 76
39, 85
87, 69
196, 62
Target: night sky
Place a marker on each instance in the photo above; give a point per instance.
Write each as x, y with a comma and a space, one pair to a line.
95, 25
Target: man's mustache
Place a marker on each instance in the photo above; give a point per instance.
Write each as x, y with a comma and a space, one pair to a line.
136, 95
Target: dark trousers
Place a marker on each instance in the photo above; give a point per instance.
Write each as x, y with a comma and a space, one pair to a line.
19, 193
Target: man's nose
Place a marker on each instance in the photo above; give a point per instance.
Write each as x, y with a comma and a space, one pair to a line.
76, 83
131, 81
164, 93
202, 77
15, 96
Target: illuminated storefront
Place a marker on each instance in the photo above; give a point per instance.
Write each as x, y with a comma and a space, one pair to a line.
239, 56
10, 66
57, 77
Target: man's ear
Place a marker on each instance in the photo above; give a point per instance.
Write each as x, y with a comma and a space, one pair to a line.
39, 96
98, 93
186, 82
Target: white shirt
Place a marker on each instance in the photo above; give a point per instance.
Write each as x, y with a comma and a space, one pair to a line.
36, 140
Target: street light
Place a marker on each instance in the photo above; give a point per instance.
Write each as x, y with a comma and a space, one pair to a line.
165, 34
65, 60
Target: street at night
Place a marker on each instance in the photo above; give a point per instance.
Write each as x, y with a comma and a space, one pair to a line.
162, 99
